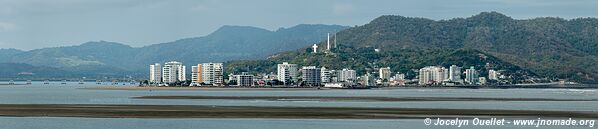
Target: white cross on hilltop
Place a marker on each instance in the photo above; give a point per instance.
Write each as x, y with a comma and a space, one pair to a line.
315, 48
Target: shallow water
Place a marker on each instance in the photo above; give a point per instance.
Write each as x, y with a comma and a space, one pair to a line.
134, 123
71, 93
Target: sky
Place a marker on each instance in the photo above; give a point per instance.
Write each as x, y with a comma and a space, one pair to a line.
34, 24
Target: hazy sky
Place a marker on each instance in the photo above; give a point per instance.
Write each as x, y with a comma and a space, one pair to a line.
31, 24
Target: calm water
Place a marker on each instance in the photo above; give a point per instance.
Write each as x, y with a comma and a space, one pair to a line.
56, 93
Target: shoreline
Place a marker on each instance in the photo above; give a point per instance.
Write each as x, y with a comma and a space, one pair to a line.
130, 87
197, 111
195, 88
354, 98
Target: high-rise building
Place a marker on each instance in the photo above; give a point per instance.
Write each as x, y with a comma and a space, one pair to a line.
455, 73
471, 75
326, 75
287, 73
333, 75
328, 42
347, 75
196, 74
245, 79
426, 76
173, 71
155, 73
311, 76
367, 80
384, 73
211, 73
493, 75
432, 75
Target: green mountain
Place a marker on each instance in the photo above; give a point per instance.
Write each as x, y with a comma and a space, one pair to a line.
545, 47
225, 44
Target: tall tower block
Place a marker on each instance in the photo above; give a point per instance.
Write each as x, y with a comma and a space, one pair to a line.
334, 40
328, 42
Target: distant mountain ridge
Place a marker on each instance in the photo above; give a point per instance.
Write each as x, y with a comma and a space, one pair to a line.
225, 44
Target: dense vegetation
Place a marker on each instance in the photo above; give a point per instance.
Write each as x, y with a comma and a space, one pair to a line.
547, 47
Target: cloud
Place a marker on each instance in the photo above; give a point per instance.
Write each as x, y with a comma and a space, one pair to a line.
7, 26
340, 9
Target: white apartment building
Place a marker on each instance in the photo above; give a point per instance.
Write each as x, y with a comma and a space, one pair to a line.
155, 73
245, 79
287, 72
326, 75
196, 77
471, 75
432, 75
209, 73
173, 71
399, 77
384, 73
347, 75
455, 73
368, 80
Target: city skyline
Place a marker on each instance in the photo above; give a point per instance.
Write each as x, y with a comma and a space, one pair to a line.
212, 74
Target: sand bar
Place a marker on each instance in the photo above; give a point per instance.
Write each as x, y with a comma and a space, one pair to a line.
196, 111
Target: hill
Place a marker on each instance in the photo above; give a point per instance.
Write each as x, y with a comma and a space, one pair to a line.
547, 47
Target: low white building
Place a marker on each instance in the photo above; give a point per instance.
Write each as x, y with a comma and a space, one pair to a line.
245, 79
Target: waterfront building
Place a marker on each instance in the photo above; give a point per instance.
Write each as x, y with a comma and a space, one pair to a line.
399, 77
211, 73
245, 79
173, 71
432, 75
333, 76
347, 75
326, 75
287, 73
155, 73
311, 76
455, 73
384, 73
425, 76
196, 77
367, 80
493, 75
471, 76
